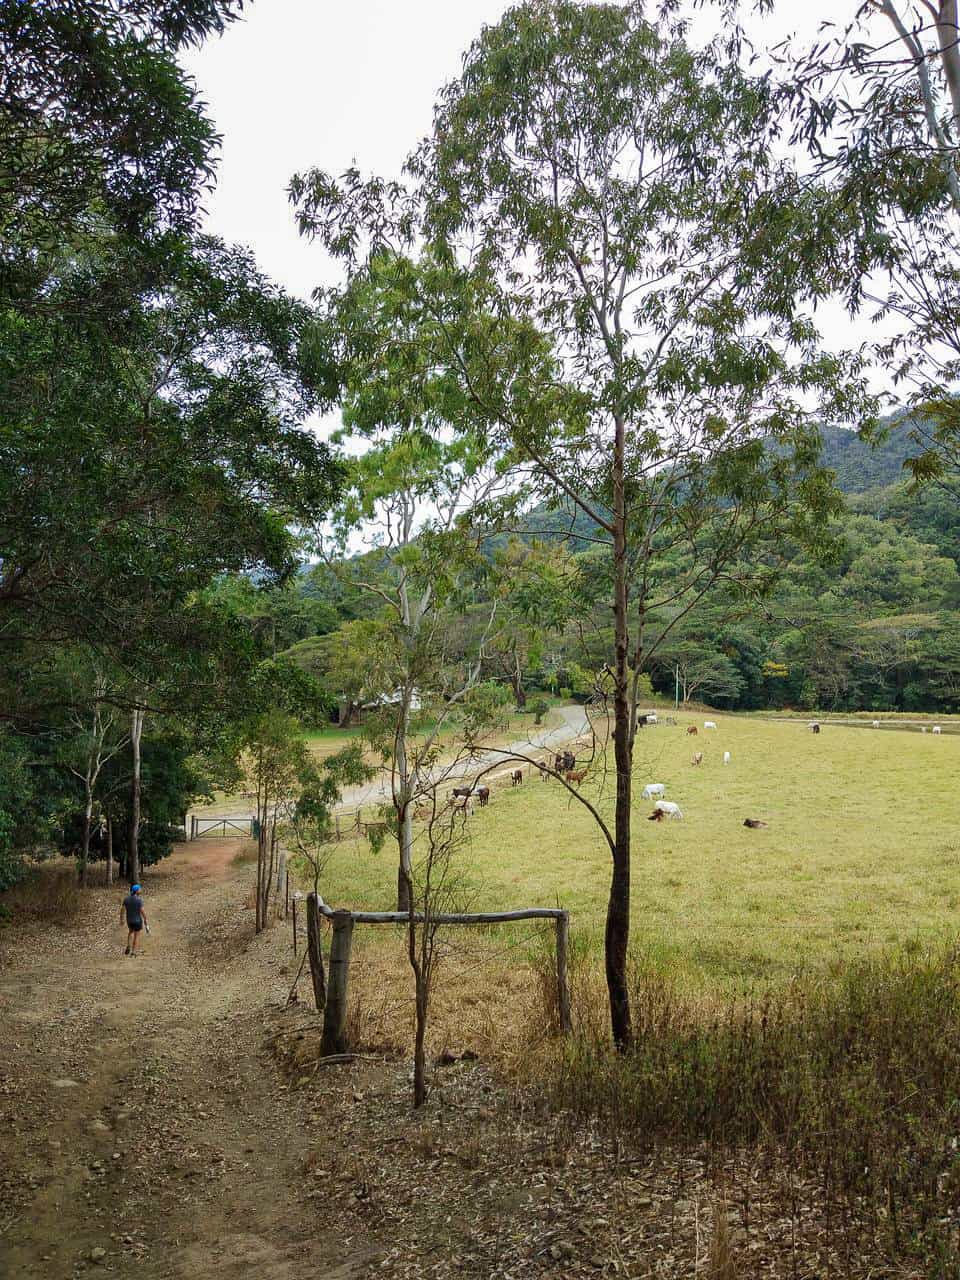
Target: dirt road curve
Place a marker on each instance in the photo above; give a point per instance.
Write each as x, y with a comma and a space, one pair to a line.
138, 1115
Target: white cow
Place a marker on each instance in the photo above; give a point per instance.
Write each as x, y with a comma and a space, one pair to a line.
726, 757
709, 724
936, 728
668, 809
876, 724
653, 789
652, 719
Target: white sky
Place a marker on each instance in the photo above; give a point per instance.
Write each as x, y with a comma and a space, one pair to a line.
302, 83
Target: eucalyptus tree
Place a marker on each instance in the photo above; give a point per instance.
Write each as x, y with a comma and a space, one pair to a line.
620, 253
412, 496
98, 736
877, 101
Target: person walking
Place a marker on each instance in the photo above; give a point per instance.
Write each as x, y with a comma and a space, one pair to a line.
136, 918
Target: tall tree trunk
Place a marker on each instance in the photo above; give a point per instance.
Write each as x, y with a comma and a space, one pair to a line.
85, 845
404, 809
516, 679
617, 934
949, 39
109, 850
133, 853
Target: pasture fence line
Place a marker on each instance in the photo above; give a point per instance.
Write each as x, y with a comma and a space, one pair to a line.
330, 990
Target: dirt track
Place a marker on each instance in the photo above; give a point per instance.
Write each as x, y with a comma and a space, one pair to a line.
139, 1115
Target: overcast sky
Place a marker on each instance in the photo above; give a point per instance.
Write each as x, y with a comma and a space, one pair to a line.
299, 83
309, 82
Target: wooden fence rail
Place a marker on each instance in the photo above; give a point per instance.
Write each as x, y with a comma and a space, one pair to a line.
331, 994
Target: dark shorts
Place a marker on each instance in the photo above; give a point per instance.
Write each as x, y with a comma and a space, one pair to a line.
134, 925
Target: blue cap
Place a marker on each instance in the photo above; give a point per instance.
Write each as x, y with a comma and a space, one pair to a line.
134, 888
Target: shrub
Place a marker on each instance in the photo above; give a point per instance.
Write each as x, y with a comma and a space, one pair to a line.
539, 707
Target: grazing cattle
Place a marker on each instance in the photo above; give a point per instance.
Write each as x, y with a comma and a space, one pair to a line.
692, 729
652, 719
816, 728
753, 823
483, 795
569, 760
558, 765
575, 778
697, 758
516, 778
813, 726
709, 724
653, 789
544, 772
665, 809
936, 728
726, 757
876, 724
462, 793
641, 722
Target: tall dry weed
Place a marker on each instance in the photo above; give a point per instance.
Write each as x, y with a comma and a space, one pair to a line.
49, 893
854, 1076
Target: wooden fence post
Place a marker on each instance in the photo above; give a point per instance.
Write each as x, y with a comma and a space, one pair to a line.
336, 821
294, 924
563, 988
335, 1013
315, 955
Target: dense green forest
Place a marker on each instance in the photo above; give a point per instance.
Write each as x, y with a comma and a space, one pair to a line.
873, 625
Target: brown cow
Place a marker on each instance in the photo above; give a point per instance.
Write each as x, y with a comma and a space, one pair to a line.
483, 795
575, 778
692, 729
516, 778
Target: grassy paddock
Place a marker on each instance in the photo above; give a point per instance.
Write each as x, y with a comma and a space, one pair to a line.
861, 851
325, 742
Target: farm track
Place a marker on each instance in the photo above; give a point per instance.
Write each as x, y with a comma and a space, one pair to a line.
574, 724
140, 1115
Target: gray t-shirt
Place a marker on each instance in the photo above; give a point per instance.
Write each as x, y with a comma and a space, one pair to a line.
133, 905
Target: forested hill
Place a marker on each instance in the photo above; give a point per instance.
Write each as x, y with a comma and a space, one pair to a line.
860, 466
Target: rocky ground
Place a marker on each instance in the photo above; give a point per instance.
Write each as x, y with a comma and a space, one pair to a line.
168, 1115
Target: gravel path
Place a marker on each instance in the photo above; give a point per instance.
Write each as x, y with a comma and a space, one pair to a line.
539, 743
